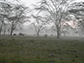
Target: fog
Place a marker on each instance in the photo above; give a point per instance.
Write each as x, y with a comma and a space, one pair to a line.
41, 31
36, 17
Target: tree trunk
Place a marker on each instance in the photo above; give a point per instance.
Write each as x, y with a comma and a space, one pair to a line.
58, 31
11, 32
4, 32
37, 34
0, 29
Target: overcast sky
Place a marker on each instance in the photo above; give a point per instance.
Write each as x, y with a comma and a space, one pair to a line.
29, 2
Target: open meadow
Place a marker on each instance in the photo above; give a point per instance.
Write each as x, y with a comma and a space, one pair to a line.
22, 49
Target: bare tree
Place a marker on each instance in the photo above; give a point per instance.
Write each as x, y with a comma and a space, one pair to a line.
1, 23
17, 18
38, 24
78, 11
66, 28
14, 14
3, 5
57, 11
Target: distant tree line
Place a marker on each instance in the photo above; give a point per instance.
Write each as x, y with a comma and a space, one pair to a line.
60, 12
57, 12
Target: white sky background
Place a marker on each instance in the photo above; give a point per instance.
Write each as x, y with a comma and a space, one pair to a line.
30, 2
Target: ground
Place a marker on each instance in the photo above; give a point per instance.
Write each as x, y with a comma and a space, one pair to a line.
22, 49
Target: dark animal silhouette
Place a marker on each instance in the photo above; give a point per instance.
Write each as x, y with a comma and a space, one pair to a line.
21, 34
14, 34
45, 35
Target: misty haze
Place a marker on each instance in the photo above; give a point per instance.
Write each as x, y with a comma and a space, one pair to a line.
41, 31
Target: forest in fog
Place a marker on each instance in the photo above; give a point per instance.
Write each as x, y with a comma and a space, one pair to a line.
45, 31
47, 17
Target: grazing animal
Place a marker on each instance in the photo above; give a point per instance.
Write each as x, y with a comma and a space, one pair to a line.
45, 35
14, 34
21, 34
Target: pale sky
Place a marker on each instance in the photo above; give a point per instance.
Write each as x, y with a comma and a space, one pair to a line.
29, 2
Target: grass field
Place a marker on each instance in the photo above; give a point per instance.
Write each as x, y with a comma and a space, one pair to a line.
17, 49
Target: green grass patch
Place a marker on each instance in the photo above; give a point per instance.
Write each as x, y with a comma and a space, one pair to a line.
16, 49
